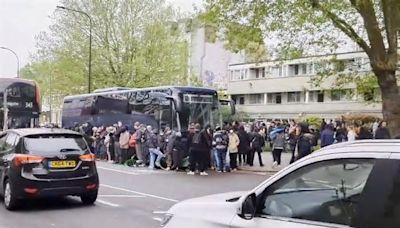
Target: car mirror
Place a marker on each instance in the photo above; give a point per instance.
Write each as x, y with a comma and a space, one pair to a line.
249, 207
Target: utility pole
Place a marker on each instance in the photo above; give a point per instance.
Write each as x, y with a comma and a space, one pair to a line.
5, 111
90, 42
16, 56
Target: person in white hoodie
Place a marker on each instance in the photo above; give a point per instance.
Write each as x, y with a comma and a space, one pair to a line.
233, 149
351, 134
124, 144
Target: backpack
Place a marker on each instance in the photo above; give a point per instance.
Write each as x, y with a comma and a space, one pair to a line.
221, 139
196, 138
132, 141
304, 146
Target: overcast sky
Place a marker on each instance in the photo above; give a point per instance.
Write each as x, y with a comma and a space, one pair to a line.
21, 20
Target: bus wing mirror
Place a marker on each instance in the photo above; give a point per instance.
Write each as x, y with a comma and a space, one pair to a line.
231, 103
178, 103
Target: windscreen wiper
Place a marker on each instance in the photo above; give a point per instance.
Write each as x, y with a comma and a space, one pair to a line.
305, 190
69, 150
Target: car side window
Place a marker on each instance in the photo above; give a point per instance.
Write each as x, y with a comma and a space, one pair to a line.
327, 191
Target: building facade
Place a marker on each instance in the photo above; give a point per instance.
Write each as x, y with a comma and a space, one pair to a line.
209, 61
282, 89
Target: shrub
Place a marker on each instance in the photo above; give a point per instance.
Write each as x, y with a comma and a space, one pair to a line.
360, 119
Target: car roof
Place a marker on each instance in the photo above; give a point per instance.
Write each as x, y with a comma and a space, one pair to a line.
368, 146
39, 131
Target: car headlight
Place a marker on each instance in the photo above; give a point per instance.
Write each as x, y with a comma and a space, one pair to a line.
166, 219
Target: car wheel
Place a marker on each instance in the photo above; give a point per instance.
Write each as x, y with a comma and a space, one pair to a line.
89, 199
10, 201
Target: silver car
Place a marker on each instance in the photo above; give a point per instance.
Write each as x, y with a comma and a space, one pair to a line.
354, 184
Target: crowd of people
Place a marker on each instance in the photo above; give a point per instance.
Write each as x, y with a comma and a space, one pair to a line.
224, 148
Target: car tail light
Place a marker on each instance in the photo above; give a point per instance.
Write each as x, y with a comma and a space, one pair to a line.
22, 159
88, 157
31, 190
91, 186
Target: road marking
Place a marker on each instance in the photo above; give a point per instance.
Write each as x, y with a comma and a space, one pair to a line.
160, 212
107, 203
140, 193
118, 171
121, 196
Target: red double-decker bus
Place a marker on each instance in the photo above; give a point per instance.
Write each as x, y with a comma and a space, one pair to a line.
20, 103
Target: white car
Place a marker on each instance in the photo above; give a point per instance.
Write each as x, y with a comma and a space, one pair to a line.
353, 184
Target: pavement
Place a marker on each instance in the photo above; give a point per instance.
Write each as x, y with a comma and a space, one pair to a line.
268, 161
128, 197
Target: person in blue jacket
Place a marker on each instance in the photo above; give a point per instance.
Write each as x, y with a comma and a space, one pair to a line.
327, 136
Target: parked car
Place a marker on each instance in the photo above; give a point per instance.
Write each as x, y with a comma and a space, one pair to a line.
42, 162
355, 184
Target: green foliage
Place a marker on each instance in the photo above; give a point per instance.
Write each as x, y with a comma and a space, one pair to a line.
227, 117
135, 44
313, 121
304, 27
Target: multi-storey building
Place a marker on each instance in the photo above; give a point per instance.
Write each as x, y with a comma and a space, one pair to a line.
282, 89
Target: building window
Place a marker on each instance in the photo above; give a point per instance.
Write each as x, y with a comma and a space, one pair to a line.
241, 100
316, 96
341, 95
234, 98
293, 97
274, 98
310, 68
237, 75
276, 71
242, 74
255, 98
320, 98
260, 72
304, 69
296, 69
372, 95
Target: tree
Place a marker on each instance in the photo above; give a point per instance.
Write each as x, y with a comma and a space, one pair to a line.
135, 44
315, 24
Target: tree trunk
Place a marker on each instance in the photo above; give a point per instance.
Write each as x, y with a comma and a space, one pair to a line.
390, 100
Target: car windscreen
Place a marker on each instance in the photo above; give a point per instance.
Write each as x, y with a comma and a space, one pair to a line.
50, 144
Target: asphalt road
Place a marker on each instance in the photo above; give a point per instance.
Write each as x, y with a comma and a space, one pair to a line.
128, 197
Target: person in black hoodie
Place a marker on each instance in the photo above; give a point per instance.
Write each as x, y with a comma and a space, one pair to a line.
382, 132
177, 151
364, 133
198, 150
304, 141
257, 143
244, 145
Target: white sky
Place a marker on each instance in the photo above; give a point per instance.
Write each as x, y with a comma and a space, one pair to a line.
21, 20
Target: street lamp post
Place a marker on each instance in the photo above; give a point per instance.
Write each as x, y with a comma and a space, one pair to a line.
90, 42
16, 56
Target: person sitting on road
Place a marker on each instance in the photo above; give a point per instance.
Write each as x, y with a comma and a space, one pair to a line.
152, 144
168, 147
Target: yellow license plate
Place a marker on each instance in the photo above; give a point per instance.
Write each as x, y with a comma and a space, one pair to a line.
62, 164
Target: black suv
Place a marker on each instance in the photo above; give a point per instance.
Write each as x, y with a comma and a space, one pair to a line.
46, 162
